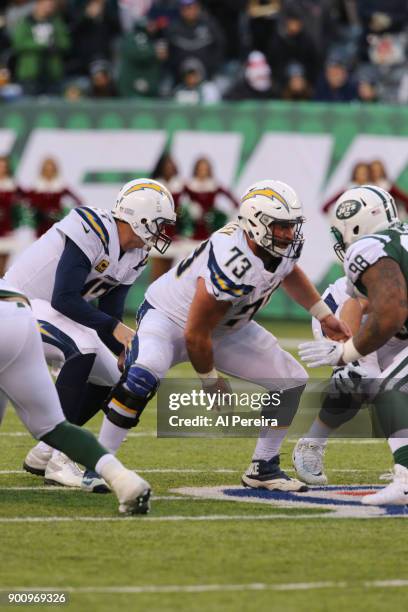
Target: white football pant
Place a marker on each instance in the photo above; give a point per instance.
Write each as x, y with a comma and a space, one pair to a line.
24, 376
63, 338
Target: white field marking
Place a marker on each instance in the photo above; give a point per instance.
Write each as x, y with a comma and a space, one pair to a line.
292, 343
5, 472
153, 434
15, 434
56, 488
208, 471
217, 588
132, 434
159, 519
347, 440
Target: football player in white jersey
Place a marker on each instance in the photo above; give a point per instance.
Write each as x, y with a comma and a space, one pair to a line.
92, 254
374, 245
201, 311
36, 401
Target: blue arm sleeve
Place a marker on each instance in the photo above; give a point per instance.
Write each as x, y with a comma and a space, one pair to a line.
70, 277
113, 304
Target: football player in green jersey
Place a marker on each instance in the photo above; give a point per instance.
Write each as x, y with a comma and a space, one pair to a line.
374, 246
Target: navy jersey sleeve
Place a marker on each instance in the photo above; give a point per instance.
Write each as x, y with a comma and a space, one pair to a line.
72, 271
113, 303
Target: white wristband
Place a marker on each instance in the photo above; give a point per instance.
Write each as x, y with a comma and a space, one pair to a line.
320, 310
212, 374
350, 353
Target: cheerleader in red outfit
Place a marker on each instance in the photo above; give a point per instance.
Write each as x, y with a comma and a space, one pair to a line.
166, 172
50, 198
206, 205
11, 204
360, 175
379, 177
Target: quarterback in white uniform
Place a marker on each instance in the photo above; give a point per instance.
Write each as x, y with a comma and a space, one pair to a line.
36, 401
92, 254
201, 310
373, 244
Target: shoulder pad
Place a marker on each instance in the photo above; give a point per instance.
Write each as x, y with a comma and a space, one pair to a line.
95, 224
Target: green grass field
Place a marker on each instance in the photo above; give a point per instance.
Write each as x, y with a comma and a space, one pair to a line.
198, 554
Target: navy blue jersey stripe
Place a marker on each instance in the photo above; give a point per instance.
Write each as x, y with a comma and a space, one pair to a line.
96, 225
52, 335
331, 302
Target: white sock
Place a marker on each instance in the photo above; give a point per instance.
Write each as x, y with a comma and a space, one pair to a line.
269, 443
42, 446
318, 432
398, 440
108, 467
111, 436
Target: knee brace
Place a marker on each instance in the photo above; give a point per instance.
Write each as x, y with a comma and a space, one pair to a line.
130, 396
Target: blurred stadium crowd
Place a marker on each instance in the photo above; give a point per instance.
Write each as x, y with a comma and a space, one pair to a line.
202, 51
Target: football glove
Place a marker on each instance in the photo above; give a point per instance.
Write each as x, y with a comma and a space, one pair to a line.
321, 352
350, 378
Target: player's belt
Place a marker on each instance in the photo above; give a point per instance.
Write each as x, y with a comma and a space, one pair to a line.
12, 296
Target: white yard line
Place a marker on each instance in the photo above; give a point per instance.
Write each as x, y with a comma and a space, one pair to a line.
207, 471
216, 588
131, 434
292, 343
153, 434
158, 519
347, 440
6, 472
56, 489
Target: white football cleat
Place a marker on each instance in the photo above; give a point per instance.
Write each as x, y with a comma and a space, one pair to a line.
395, 494
62, 471
132, 492
307, 459
37, 459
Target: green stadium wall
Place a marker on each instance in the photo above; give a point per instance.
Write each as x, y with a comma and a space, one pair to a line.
247, 137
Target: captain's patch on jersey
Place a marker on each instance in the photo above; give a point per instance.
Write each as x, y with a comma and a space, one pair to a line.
102, 266
348, 209
339, 501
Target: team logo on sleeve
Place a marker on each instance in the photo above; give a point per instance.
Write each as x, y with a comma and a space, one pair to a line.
102, 266
348, 209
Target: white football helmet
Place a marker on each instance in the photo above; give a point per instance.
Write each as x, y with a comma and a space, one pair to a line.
360, 211
147, 206
267, 203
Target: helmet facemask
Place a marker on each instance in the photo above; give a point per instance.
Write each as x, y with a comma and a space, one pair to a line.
154, 234
339, 244
270, 242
